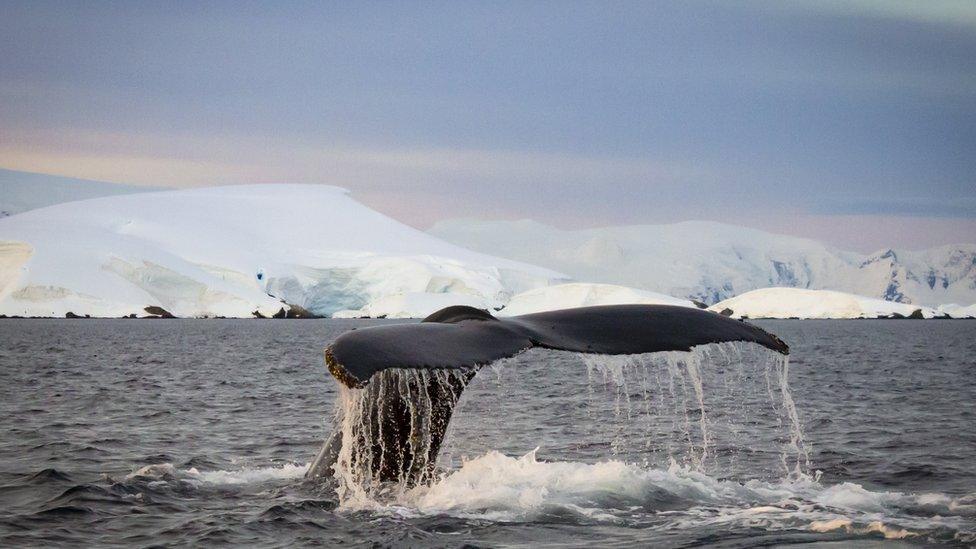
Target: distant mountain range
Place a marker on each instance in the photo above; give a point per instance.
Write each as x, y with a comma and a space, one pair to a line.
212, 252
709, 262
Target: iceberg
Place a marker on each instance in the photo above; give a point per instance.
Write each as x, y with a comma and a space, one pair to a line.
806, 304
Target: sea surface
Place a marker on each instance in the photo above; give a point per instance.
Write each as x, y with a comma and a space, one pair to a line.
198, 432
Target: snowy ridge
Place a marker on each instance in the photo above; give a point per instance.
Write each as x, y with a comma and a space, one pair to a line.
805, 304
568, 296
233, 251
709, 261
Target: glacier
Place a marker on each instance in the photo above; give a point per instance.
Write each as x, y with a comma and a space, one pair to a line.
234, 251
709, 261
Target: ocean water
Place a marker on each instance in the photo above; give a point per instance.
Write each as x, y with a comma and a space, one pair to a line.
198, 432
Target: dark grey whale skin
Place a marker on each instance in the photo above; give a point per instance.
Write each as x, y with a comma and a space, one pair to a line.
460, 337
464, 338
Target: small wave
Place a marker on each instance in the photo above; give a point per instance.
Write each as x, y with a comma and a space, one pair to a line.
48, 475
502, 488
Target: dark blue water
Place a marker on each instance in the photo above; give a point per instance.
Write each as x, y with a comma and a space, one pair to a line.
192, 432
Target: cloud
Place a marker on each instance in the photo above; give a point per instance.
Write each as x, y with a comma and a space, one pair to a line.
187, 160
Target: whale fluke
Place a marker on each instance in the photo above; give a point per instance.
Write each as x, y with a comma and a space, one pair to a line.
444, 351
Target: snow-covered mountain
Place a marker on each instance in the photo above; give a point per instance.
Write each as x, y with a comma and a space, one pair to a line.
710, 261
233, 251
24, 191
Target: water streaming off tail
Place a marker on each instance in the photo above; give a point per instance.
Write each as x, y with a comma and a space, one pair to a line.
725, 409
722, 409
393, 424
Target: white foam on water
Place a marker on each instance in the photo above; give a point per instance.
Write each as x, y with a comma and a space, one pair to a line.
248, 475
164, 472
520, 489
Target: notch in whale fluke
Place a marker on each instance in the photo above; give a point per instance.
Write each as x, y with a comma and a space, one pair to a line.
435, 359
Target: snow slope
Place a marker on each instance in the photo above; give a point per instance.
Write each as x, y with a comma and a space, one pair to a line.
413, 305
23, 191
710, 261
220, 251
801, 303
578, 294
958, 311
546, 298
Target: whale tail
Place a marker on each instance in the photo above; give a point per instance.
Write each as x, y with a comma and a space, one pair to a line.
400, 383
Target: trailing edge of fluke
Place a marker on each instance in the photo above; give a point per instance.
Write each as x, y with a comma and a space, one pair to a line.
460, 337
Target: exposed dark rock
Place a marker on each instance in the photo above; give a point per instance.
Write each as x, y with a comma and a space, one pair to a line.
70, 314
699, 304
257, 314
785, 276
297, 311
917, 314
726, 312
282, 313
158, 312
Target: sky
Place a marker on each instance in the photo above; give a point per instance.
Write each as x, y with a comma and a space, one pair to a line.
853, 121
